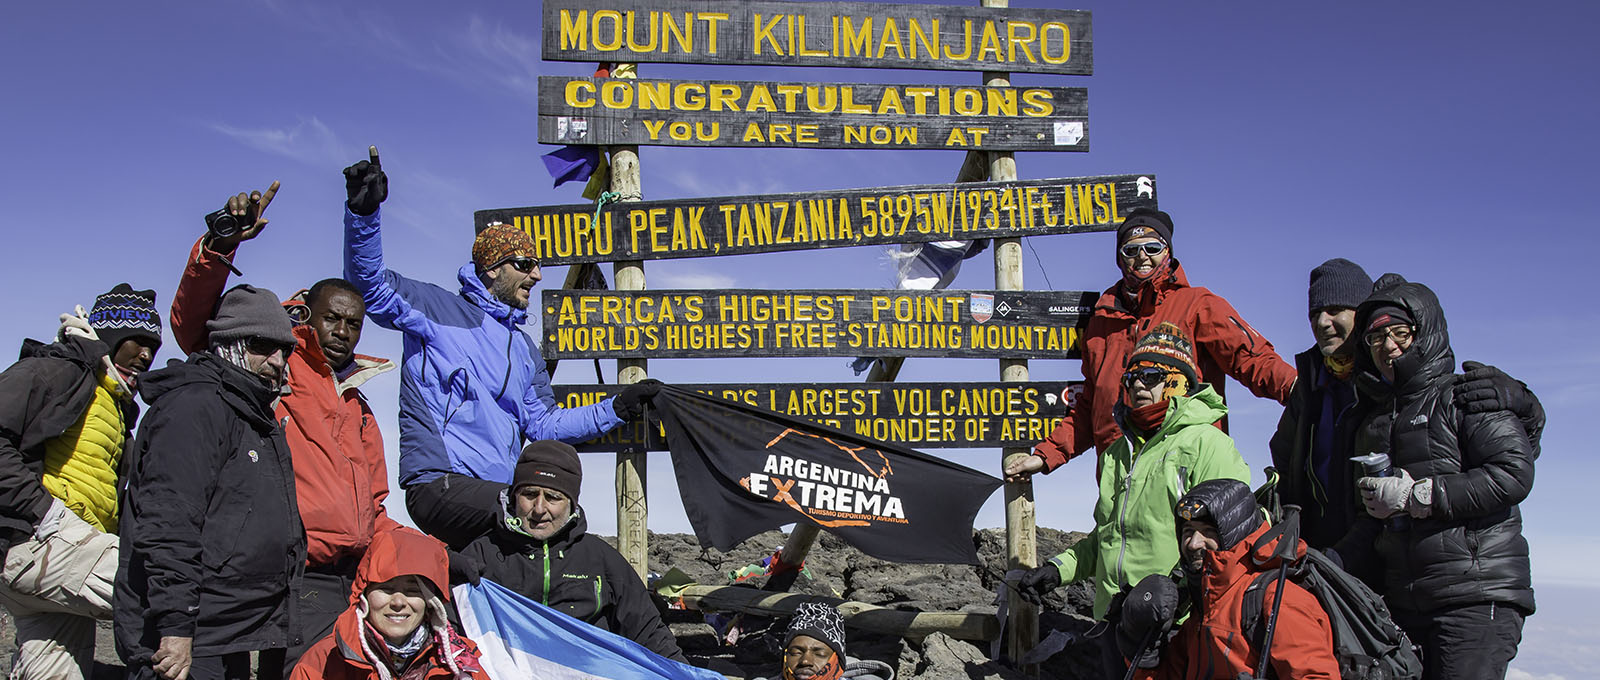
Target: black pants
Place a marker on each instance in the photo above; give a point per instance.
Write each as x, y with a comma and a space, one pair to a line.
1467, 643
235, 666
324, 595
455, 508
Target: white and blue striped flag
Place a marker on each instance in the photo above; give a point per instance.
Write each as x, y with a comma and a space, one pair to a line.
520, 638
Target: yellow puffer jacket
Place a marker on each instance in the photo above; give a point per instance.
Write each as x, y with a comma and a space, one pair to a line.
80, 466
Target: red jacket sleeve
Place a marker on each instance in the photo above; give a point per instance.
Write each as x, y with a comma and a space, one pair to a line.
372, 441
204, 277
1241, 351
1072, 436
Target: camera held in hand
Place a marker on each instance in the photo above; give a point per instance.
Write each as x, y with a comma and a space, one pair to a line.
223, 224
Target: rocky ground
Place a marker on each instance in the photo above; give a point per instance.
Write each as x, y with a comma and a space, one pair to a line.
838, 570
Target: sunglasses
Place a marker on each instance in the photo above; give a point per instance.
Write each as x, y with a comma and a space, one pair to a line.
266, 347
1150, 248
1400, 334
520, 263
1148, 376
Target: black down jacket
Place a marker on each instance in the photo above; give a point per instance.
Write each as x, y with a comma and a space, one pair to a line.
578, 575
1471, 549
212, 545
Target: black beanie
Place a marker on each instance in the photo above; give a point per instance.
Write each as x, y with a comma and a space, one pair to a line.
1338, 283
1228, 503
123, 313
1146, 222
1388, 315
250, 312
550, 464
821, 622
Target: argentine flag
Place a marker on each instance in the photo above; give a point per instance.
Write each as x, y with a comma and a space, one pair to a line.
520, 638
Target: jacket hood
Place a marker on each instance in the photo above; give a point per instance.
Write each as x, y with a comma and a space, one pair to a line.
1223, 568
243, 391
1429, 357
1201, 408
472, 289
78, 350
400, 552
510, 526
403, 552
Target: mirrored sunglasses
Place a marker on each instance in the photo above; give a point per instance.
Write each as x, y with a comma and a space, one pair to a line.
1150, 248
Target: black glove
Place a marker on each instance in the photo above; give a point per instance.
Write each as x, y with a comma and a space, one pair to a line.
1038, 582
465, 568
1485, 388
1147, 615
366, 186
630, 404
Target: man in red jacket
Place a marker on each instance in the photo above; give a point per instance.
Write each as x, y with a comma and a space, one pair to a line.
1153, 289
340, 476
1219, 525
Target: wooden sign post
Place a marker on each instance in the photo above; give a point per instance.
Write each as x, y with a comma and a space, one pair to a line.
633, 535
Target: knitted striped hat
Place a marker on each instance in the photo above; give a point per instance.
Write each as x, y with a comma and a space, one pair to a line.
1169, 346
123, 313
497, 242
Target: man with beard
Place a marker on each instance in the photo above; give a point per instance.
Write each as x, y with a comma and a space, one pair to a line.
473, 387
66, 409
212, 545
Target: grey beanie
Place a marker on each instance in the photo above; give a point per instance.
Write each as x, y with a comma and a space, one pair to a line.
250, 312
1338, 283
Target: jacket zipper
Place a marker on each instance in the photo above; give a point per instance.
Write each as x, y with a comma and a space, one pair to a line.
546, 599
598, 582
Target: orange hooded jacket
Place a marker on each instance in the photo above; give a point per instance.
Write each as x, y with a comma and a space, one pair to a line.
354, 651
1211, 645
1224, 344
340, 476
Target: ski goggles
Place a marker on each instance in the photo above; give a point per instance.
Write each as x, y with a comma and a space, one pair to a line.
1149, 248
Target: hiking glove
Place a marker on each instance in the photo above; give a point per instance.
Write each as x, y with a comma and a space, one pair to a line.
630, 404
77, 324
465, 568
1038, 582
1485, 388
366, 186
1147, 614
1385, 496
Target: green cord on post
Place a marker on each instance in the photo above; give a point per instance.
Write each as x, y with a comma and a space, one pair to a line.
599, 203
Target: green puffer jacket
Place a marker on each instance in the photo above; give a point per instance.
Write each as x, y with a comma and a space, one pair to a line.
1134, 532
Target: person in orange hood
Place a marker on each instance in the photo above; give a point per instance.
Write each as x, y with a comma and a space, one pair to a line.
396, 626
1219, 525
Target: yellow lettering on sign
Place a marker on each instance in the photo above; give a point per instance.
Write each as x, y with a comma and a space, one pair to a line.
689, 97
852, 43
760, 100
821, 99
763, 31
930, 45
990, 43
616, 30
575, 91
655, 25
801, 49
1065, 42
966, 51
574, 30
1037, 103
1013, 40
711, 19
890, 36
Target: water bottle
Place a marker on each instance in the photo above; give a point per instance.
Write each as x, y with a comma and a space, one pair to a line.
1378, 465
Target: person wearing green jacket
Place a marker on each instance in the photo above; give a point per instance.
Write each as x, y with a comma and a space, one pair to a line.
1169, 444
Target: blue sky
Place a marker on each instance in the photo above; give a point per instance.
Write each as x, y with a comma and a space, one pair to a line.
1446, 141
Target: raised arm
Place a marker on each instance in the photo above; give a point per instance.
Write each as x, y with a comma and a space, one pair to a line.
206, 273
542, 418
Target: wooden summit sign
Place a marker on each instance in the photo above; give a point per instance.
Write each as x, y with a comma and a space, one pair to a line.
626, 111
813, 323
918, 415
852, 34
740, 225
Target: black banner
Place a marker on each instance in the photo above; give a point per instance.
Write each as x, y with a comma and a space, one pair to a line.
743, 470
919, 415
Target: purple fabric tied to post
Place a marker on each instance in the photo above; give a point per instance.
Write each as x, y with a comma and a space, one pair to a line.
574, 162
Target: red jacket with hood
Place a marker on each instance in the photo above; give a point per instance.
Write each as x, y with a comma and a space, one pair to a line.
340, 476
1224, 344
354, 651
1211, 645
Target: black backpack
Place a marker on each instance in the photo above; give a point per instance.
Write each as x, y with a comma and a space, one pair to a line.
1366, 641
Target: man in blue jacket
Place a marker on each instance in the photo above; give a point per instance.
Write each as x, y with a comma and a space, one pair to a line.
473, 385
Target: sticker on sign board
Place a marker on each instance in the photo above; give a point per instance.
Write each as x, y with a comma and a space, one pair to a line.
569, 127
1069, 132
982, 306
1146, 187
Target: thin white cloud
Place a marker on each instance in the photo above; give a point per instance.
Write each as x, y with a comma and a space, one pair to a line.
669, 279
1519, 674
308, 141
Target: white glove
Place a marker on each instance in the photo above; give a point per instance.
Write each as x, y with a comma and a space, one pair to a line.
76, 324
1386, 496
51, 522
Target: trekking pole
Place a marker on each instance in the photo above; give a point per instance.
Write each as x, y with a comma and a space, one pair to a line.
1286, 550
1133, 664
